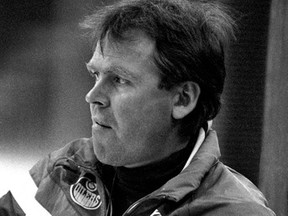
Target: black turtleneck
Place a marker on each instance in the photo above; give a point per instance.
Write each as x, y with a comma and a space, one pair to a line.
131, 184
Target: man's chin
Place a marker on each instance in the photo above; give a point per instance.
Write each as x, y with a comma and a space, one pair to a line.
103, 157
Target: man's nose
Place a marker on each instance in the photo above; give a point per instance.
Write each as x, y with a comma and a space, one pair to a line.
98, 96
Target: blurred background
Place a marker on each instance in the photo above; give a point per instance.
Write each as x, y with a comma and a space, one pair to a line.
43, 82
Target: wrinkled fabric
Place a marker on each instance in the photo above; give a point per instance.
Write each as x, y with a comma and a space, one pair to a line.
205, 188
9, 206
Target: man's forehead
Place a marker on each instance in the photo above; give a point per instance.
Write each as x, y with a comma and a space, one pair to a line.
137, 52
135, 43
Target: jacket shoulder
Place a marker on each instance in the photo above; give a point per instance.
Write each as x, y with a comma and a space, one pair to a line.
65, 176
224, 191
81, 149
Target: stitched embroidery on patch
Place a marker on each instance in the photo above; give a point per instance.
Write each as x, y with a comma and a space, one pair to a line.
85, 193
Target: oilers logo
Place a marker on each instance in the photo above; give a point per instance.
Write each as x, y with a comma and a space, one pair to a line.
84, 192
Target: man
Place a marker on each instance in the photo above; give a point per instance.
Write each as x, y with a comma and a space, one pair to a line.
159, 74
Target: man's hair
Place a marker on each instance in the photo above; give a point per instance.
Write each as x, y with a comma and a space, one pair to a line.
190, 38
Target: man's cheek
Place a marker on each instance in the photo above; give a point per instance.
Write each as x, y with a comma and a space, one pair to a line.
130, 109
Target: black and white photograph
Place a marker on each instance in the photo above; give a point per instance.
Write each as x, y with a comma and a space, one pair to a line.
143, 108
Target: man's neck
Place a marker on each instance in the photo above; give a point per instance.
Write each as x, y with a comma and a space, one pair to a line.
176, 145
132, 184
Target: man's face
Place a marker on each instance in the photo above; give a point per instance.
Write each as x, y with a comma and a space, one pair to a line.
131, 116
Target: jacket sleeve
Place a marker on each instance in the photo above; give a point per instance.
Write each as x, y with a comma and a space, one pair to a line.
9, 206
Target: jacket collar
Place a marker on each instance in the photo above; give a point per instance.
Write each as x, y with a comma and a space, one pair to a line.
190, 178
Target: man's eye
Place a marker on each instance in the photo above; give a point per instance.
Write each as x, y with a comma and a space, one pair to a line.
120, 80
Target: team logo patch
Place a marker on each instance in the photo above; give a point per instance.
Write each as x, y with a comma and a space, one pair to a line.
85, 193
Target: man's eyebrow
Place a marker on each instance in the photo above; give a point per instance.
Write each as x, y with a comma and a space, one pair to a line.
119, 70
122, 72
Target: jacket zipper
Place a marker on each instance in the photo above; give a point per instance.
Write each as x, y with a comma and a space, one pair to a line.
136, 204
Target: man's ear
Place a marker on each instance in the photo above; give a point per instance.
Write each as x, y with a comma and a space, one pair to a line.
185, 99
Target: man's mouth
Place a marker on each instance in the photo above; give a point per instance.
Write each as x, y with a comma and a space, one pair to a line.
102, 125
